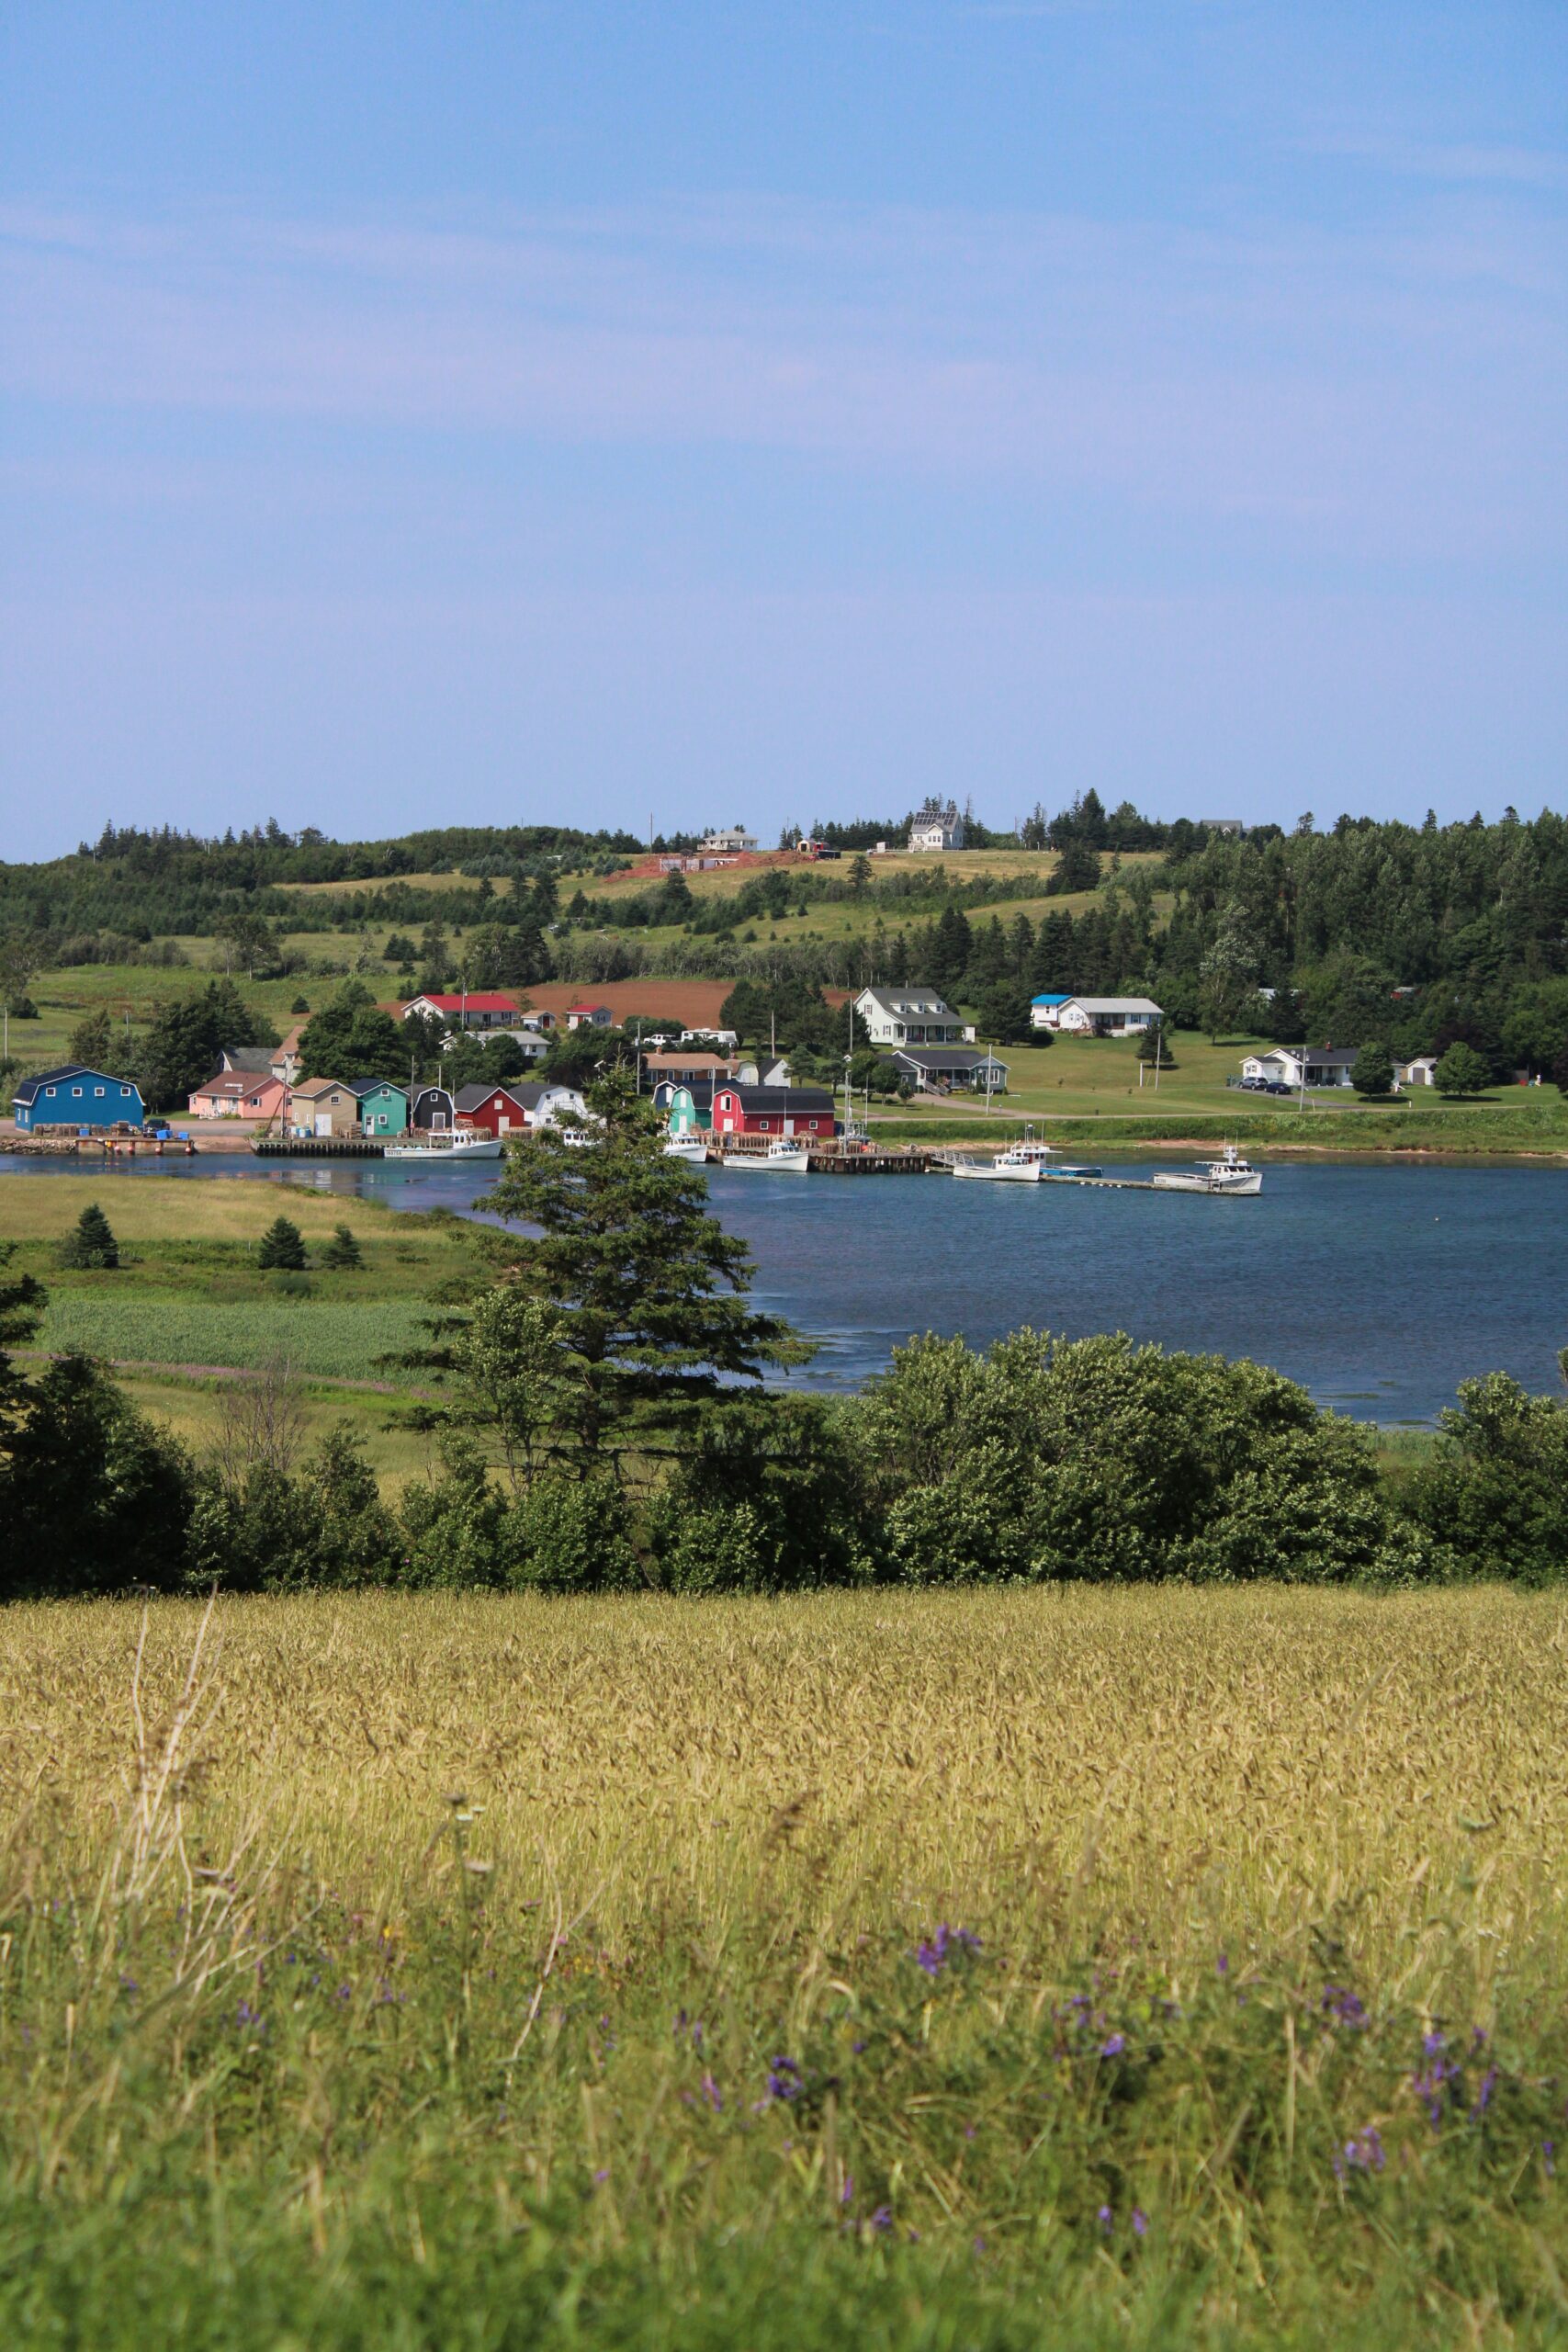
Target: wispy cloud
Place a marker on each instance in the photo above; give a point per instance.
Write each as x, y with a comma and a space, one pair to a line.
1463, 164
1349, 386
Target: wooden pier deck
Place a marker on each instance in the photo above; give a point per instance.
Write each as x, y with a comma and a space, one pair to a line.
316, 1148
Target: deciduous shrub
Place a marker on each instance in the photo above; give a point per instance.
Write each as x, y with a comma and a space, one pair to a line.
1494, 1495
1098, 1459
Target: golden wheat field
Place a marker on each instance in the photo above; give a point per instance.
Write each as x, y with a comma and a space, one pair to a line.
1190, 1763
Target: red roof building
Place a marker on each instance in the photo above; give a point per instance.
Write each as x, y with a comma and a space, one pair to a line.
480, 1010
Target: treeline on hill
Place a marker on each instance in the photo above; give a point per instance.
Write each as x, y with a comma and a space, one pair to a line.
603, 1422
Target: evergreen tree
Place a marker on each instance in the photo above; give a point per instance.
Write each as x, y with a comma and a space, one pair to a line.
351, 1037
342, 1251
282, 1247
92, 1040
186, 1037
635, 1274
1461, 1071
1077, 868
1154, 1047
1287, 1018
1371, 1074
92, 1243
949, 953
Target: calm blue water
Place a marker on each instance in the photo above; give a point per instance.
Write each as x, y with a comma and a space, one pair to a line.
1380, 1286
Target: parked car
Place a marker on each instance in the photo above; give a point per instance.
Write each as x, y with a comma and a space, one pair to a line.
1277, 1086
1254, 1085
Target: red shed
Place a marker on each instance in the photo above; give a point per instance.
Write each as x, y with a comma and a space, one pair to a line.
773, 1111
500, 1110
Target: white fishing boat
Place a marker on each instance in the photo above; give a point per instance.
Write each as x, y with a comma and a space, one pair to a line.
445, 1146
689, 1147
1231, 1174
1022, 1165
782, 1157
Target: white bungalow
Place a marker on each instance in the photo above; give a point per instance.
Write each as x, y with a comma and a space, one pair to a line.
1095, 1016
1302, 1064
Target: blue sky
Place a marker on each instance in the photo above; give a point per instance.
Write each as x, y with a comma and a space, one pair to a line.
514, 412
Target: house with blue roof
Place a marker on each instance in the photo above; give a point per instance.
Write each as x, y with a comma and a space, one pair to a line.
74, 1097
1045, 1010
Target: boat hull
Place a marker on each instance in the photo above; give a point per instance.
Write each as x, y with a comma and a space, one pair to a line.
992, 1171
487, 1147
696, 1153
783, 1164
1243, 1187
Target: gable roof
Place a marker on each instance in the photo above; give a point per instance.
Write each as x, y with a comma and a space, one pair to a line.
1114, 1003
1325, 1056
26, 1092
255, 1059
374, 1086
946, 1057
1053, 997
776, 1098
476, 1001
909, 1000
468, 1098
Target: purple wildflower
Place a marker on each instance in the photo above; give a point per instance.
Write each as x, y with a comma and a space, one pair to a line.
1483, 2095
883, 2218
1139, 2221
1343, 2007
1362, 2153
1548, 2155
1104, 2218
713, 2094
848, 2191
1222, 1965
933, 1954
1115, 2046
784, 2079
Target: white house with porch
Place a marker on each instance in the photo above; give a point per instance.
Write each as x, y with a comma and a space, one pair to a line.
911, 1016
1095, 1016
1302, 1064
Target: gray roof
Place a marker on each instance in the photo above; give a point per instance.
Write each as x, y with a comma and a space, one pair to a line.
1115, 1003
777, 1098
526, 1096
916, 1000
946, 1057
255, 1060
1325, 1057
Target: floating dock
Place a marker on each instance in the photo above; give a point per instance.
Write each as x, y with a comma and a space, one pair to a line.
316, 1148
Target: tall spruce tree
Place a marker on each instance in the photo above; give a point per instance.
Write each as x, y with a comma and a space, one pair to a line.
646, 1290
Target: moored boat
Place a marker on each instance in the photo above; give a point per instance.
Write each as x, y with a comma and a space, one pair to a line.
690, 1147
781, 1157
1022, 1165
445, 1146
1230, 1174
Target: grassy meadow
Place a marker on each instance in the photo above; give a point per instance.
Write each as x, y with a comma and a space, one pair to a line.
189, 1300
990, 1970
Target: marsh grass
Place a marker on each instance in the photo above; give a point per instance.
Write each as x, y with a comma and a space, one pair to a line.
987, 1969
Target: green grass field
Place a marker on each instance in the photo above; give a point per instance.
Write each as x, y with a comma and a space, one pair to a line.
986, 1971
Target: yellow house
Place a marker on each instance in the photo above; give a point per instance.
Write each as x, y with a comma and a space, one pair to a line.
324, 1106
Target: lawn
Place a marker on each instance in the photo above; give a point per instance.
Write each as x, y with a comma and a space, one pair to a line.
993, 1970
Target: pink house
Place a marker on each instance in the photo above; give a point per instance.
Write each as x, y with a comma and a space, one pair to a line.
240, 1094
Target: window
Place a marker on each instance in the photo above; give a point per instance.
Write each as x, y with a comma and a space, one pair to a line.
763, 1126
812, 1123
49, 1089
99, 1090
76, 1090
